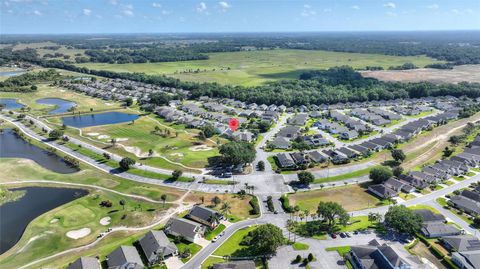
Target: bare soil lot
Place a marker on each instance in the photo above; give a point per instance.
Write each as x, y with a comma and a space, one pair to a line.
469, 73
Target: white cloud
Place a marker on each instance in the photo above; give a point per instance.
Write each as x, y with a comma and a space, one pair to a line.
128, 12
37, 13
224, 6
307, 11
201, 7
113, 2
156, 5
390, 5
86, 12
433, 6
355, 7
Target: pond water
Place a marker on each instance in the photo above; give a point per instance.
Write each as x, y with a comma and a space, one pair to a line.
61, 105
10, 103
11, 73
12, 146
98, 119
15, 216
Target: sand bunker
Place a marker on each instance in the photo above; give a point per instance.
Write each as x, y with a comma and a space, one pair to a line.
108, 104
122, 139
92, 134
200, 148
55, 220
105, 221
80, 233
177, 154
103, 137
138, 152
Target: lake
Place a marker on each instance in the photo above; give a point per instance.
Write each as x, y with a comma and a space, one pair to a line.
89, 120
11, 73
12, 146
15, 216
10, 103
61, 105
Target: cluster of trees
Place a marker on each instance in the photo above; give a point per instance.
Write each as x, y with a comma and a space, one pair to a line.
237, 152
264, 240
123, 56
25, 82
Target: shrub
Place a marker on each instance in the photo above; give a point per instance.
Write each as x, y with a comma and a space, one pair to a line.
255, 207
270, 204
286, 204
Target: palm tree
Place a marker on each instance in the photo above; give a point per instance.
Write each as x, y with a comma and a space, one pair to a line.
122, 203
163, 198
306, 213
225, 209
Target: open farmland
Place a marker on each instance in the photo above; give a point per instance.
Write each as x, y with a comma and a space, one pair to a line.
251, 68
470, 73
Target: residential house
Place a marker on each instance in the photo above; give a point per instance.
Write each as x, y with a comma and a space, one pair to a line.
289, 132
461, 243
156, 247
285, 160
85, 263
187, 229
300, 158
350, 134
280, 143
316, 157
363, 150
205, 216
467, 259
124, 257
299, 119
466, 204
382, 191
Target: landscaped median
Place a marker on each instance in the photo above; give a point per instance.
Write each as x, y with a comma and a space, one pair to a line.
355, 174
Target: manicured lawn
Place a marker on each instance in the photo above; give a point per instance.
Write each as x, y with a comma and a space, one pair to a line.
219, 182
358, 198
357, 173
442, 201
177, 146
419, 207
210, 235
459, 178
357, 223
470, 174
300, 246
256, 67
240, 206
476, 169
48, 231
406, 196
341, 250
84, 103
211, 261
194, 249
232, 246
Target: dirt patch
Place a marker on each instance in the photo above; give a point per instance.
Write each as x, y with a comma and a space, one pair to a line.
92, 134
470, 73
103, 137
80, 233
200, 148
105, 221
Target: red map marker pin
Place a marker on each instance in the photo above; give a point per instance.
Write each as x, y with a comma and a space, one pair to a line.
233, 123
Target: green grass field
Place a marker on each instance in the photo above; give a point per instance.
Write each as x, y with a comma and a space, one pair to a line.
46, 234
232, 245
250, 68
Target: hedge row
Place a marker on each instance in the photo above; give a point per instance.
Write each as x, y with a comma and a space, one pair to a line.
255, 207
445, 259
286, 204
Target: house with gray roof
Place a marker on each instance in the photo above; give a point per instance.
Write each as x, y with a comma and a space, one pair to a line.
438, 229
467, 259
124, 257
205, 216
466, 204
461, 243
285, 160
157, 247
280, 143
316, 156
382, 191
85, 263
185, 228
289, 132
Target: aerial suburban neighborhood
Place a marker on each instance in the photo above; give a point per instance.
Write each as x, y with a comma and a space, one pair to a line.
239, 134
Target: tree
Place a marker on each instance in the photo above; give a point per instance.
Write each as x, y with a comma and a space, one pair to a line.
398, 155
208, 130
176, 174
237, 152
126, 162
163, 197
455, 139
261, 166
374, 217
216, 200
225, 209
403, 220
106, 156
332, 211
150, 152
264, 240
129, 101
476, 221
160, 99
122, 203
447, 152
397, 171
55, 134
380, 174
305, 177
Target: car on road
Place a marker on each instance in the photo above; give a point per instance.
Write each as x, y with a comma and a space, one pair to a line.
215, 239
348, 234
333, 235
343, 235
222, 233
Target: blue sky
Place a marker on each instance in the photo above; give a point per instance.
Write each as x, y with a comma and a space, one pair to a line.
171, 16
